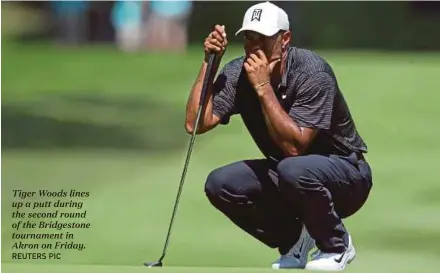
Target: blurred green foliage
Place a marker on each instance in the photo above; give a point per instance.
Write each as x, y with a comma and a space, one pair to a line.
394, 25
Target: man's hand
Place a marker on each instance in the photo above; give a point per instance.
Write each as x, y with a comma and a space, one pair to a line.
216, 41
259, 69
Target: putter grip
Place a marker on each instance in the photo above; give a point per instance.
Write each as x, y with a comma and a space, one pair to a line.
211, 60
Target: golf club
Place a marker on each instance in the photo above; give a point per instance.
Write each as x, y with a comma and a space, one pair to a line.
208, 73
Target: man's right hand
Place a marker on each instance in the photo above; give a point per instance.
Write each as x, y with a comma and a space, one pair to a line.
216, 42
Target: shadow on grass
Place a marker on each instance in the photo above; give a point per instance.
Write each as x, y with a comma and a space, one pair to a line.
92, 122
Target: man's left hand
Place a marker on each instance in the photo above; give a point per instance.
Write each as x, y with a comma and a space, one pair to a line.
258, 68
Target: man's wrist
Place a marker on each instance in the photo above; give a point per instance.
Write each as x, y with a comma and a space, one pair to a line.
263, 89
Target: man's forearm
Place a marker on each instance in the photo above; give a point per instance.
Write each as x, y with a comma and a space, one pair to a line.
285, 132
270, 128
194, 98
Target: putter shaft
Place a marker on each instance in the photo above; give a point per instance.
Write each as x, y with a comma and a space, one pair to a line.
188, 156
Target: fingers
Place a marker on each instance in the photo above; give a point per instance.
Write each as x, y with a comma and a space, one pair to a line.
217, 37
251, 62
261, 55
212, 46
247, 66
220, 32
255, 58
216, 40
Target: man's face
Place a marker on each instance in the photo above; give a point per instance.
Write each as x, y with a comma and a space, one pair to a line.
271, 46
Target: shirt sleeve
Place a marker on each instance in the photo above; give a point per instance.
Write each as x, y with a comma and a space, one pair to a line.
313, 105
224, 91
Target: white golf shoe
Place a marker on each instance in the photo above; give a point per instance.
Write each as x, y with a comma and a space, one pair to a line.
331, 261
298, 254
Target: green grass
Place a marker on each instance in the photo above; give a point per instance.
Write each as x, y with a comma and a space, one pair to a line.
393, 97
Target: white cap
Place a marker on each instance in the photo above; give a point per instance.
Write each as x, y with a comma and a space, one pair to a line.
265, 18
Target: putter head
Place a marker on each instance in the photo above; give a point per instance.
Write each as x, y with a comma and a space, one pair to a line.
153, 264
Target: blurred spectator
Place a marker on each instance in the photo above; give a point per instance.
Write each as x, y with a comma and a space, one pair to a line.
167, 24
127, 21
70, 21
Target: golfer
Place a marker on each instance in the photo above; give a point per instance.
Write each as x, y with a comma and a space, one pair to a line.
313, 173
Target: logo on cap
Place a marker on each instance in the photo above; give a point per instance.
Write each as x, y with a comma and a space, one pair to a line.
256, 15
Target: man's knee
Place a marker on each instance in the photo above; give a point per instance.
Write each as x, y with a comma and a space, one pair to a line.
229, 184
221, 181
214, 183
296, 173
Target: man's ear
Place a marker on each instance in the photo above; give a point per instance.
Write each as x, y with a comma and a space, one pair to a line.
286, 37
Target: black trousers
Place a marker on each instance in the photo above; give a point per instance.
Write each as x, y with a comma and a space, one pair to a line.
271, 201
